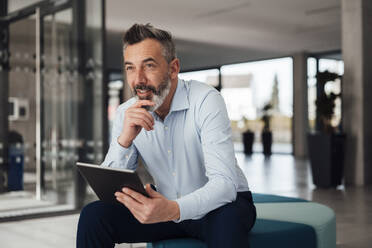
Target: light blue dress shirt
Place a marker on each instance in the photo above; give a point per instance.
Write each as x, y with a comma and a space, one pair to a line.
190, 154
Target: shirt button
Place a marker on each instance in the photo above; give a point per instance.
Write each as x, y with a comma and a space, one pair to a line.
166, 128
169, 151
126, 156
174, 174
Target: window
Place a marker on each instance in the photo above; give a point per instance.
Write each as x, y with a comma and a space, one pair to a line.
324, 64
248, 87
206, 76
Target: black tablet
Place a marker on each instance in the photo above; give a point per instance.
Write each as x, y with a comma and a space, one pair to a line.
105, 181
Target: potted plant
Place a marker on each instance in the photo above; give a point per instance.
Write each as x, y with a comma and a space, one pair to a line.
266, 135
248, 138
326, 144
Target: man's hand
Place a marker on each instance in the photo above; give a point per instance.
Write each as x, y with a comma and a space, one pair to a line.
146, 210
135, 119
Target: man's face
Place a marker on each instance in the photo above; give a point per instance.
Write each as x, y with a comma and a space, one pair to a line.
147, 71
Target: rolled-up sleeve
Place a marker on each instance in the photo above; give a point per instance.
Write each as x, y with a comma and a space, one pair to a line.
118, 156
219, 160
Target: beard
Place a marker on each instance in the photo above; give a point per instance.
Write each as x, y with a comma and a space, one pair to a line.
158, 95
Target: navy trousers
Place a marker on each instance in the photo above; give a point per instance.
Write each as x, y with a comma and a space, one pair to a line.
102, 225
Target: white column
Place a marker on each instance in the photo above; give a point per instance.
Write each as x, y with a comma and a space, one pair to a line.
357, 90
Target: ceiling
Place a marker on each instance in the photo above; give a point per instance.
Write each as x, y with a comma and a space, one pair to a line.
271, 26
210, 33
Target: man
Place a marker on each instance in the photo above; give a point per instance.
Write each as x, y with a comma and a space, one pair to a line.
182, 132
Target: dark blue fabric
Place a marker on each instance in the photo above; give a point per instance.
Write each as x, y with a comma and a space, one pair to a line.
102, 225
15, 169
281, 234
265, 234
178, 243
265, 198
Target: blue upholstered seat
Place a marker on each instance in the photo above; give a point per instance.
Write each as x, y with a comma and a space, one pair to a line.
281, 222
265, 233
266, 198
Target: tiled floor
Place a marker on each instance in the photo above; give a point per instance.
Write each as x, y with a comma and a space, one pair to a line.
51, 232
280, 174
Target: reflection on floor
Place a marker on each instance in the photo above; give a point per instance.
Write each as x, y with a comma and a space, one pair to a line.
279, 174
24, 203
278, 148
16, 200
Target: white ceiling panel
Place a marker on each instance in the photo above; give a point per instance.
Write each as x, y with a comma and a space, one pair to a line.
274, 25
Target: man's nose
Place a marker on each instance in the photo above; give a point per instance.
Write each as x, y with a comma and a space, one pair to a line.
140, 76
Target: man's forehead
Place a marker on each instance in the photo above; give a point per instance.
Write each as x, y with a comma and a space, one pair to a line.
148, 48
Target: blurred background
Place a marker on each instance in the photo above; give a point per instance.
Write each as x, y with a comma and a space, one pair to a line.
294, 75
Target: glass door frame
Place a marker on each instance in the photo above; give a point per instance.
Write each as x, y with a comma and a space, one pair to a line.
41, 10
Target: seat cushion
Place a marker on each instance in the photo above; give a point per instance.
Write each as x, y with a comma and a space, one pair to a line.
318, 216
265, 198
265, 234
282, 222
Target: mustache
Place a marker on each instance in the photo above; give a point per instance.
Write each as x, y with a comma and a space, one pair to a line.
146, 87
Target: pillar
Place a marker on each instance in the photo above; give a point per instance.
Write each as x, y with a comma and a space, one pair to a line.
300, 106
357, 90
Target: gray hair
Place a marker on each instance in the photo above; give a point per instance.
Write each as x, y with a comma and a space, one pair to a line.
140, 32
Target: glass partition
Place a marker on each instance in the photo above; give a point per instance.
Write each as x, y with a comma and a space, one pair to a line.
43, 97
60, 117
56, 105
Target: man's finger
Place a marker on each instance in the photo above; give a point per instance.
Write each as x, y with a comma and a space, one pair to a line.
138, 215
136, 196
152, 193
141, 103
141, 116
137, 209
128, 201
142, 123
143, 112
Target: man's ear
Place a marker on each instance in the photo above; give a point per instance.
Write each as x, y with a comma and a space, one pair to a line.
174, 68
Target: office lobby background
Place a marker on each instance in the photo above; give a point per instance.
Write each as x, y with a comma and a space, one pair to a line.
61, 80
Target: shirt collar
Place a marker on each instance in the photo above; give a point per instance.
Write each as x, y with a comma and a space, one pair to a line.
180, 99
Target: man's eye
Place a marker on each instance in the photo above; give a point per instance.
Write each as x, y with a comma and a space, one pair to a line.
128, 68
150, 65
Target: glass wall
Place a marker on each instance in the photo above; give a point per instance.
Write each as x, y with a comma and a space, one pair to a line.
94, 102
248, 87
115, 97
60, 109
43, 96
21, 172
57, 104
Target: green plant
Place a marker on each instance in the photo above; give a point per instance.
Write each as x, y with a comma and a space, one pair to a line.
266, 116
246, 122
325, 103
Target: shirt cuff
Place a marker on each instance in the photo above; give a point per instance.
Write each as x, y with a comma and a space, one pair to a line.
122, 155
188, 207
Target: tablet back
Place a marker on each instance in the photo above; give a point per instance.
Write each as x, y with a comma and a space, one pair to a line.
105, 181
